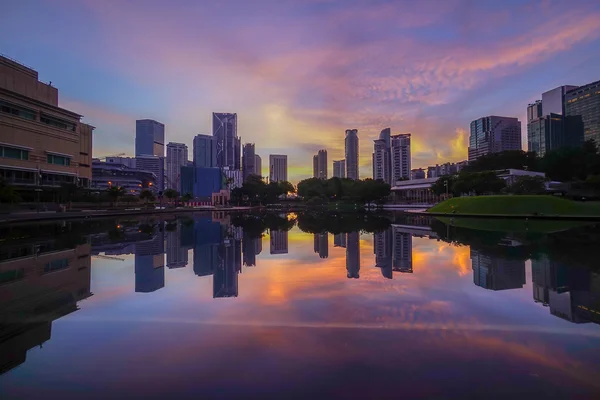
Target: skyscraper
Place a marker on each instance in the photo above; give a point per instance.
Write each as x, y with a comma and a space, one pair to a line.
228, 143
383, 249
177, 157
585, 103
494, 134
177, 255
351, 153
258, 165
400, 157
320, 164
205, 151
248, 161
277, 168
339, 169
382, 167
402, 250
225, 278
495, 273
548, 127
149, 138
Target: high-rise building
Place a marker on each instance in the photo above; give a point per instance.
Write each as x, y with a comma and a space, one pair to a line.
351, 154
224, 130
42, 145
382, 164
279, 242
400, 157
418, 173
321, 244
552, 132
353, 255
248, 161
534, 111
225, 278
548, 127
258, 165
584, 101
494, 134
383, 249
339, 169
205, 151
149, 138
320, 164
402, 251
278, 168
553, 101
150, 264
177, 157
154, 164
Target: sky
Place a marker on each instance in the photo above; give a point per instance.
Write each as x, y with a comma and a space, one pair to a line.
300, 72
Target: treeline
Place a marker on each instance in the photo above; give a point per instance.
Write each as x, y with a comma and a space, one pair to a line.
335, 189
254, 191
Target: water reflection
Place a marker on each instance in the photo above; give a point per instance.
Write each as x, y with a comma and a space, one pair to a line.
403, 260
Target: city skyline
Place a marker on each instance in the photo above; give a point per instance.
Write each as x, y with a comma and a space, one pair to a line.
442, 76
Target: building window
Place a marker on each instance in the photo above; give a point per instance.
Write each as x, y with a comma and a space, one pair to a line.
11, 275
57, 122
17, 111
58, 160
56, 265
12, 152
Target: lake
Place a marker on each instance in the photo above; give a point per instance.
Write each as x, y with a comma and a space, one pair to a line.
300, 306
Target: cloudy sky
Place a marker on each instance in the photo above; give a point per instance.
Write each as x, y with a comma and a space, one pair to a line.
300, 72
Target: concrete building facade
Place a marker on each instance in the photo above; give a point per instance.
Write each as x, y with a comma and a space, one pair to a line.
42, 145
278, 168
584, 102
339, 169
224, 130
400, 157
177, 157
382, 164
248, 161
156, 165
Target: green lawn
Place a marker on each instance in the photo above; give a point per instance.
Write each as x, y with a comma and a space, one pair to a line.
516, 205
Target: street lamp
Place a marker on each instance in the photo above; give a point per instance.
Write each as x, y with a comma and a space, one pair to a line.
446, 186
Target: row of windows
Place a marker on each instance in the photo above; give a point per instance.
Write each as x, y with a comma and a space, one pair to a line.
11, 275
11, 152
16, 110
58, 160
57, 123
56, 265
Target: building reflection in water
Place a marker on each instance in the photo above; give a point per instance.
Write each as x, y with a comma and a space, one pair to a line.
496, 273
36, 288
251, 247
177, 255
339, 240
393, 251
571, 293
279, 241
150, 263
353, 255
321, 244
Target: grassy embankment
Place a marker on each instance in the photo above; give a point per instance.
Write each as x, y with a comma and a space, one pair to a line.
516, 206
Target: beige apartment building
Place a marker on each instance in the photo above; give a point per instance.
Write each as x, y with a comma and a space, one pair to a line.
42, 146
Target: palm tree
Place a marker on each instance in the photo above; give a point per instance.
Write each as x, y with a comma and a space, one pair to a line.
146, 195
115, 192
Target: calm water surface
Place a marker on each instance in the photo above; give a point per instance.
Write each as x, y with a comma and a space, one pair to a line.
242, 307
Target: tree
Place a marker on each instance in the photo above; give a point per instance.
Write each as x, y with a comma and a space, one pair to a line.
115, 192
527, 185
147, 196
171, 194
186, 197
440, 187
511, 159
286, 187
311, 187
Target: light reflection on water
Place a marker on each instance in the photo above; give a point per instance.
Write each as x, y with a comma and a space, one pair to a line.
205, 306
